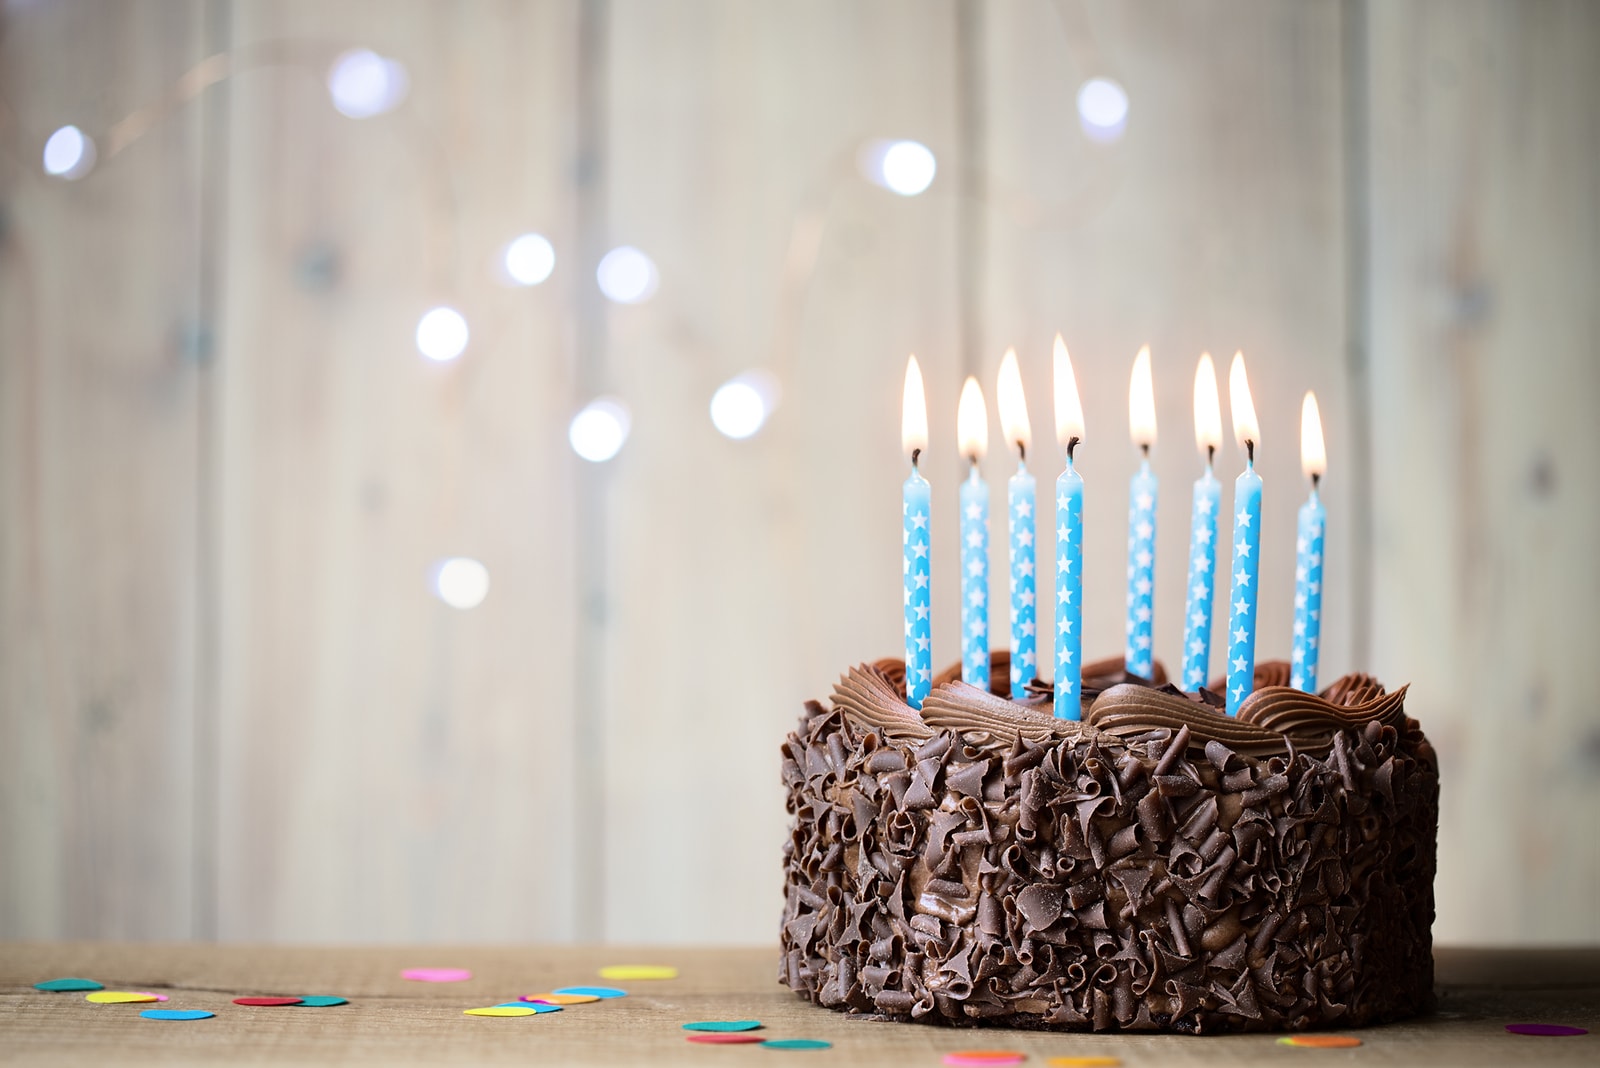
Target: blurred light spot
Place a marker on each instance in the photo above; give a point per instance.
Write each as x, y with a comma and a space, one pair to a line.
442, 334
904, 167
461, 582
627, 275
68, 154
1103, 109
363, 83
740, 407
530, 259
598, 432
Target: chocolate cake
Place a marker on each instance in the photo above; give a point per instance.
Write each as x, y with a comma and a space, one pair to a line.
1158, 866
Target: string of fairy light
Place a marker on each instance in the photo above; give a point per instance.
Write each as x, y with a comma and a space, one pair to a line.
362, 84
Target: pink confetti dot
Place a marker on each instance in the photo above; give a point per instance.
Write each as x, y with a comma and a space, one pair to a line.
1545, 1030
436, 975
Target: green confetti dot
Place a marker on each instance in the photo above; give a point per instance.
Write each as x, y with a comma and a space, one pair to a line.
322, 1002
723, 1025
796, 1043
69, 984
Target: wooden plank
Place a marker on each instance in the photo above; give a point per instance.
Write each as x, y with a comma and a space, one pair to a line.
393, 767
99, 344
398, 1022
1485, 238
1215, 223
746, 575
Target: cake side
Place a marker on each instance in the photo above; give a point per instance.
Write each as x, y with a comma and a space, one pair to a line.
1012, 869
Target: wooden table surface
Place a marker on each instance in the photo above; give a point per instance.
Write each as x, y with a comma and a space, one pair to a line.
394, 1021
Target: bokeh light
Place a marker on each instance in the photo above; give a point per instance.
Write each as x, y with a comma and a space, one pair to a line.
69, 154
530, 259
741, 405
599, 431
627, 275
442, 334
1103, 109
363, 83
461, 582
903, 167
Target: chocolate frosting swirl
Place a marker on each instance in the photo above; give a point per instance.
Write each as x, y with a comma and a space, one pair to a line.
1275, 719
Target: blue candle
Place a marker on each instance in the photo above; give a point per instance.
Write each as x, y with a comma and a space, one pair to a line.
1069, 545
916, 511
1308, 554
1022, 526
1139, 658
1202, 531
1246, 543
972, 431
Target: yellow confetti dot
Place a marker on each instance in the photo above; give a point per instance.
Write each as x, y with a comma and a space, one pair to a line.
119, 997
502, 1010
561, 999
1084, 1062
638, 971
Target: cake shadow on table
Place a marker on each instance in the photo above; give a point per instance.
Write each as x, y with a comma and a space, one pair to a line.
1159, 866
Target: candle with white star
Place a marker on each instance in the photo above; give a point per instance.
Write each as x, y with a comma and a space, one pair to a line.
1246, 543
1139, 658
972, 431
1202, 530
1308, 553
1021, 527
1069, 545
916, 510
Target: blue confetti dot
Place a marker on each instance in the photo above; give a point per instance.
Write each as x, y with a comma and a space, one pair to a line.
176, 1014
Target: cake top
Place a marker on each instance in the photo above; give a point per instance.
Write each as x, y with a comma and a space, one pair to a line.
1274, 719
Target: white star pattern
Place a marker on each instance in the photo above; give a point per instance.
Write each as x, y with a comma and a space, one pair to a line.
920, 521
1024, 537
1026, 597
1241, 607
1024, 508
1243, 548
1026, 627
974, 568
1244, 518
974, 510
1026, 567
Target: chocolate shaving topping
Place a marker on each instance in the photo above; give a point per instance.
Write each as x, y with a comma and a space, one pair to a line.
1158, 866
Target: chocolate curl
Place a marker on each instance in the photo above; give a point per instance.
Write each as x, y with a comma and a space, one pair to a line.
894, 1002
1153, 818
1174, 752
1040, 905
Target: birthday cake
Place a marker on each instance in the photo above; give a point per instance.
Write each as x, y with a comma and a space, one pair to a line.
1158, 866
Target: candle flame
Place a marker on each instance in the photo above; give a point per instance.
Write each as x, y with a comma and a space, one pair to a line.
1013, 407
972, 421
913, 411
1313, 454
1245, 427
1142, 401
1207, 407
1069, 409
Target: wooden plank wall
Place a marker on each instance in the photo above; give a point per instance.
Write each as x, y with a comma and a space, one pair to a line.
229, 706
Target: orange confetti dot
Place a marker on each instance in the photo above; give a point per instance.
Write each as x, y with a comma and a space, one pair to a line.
1320, 1041
560, 999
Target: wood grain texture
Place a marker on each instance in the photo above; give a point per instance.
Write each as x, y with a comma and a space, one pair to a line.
397, 1022
99, 350
392, 764
1485, 261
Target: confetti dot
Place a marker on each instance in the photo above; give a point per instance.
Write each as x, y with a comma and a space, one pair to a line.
322, 1001
601, 992
1545, 1030
1084, 1062
639, 971
1321, 1041
796, 1043
176, 1014
561, 999
118, 997
723, 1025
984, 1056
536, 1006
68, 984
436, 975
265, 1003
158, 997
503, 1010
713, 1039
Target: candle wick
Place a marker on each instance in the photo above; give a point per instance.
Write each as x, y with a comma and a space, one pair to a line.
915, 455
1072, 445
1316, 482
1022, 451
1211, 455
1250, 451
1144, 447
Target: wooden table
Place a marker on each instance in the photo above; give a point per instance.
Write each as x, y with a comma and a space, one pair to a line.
393, 1021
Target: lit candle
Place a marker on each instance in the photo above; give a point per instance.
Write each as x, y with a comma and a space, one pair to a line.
972, 431
919, 629
1308, 553
1246, 542
1202, 530
1020, 497
1139, 657
1069, 544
